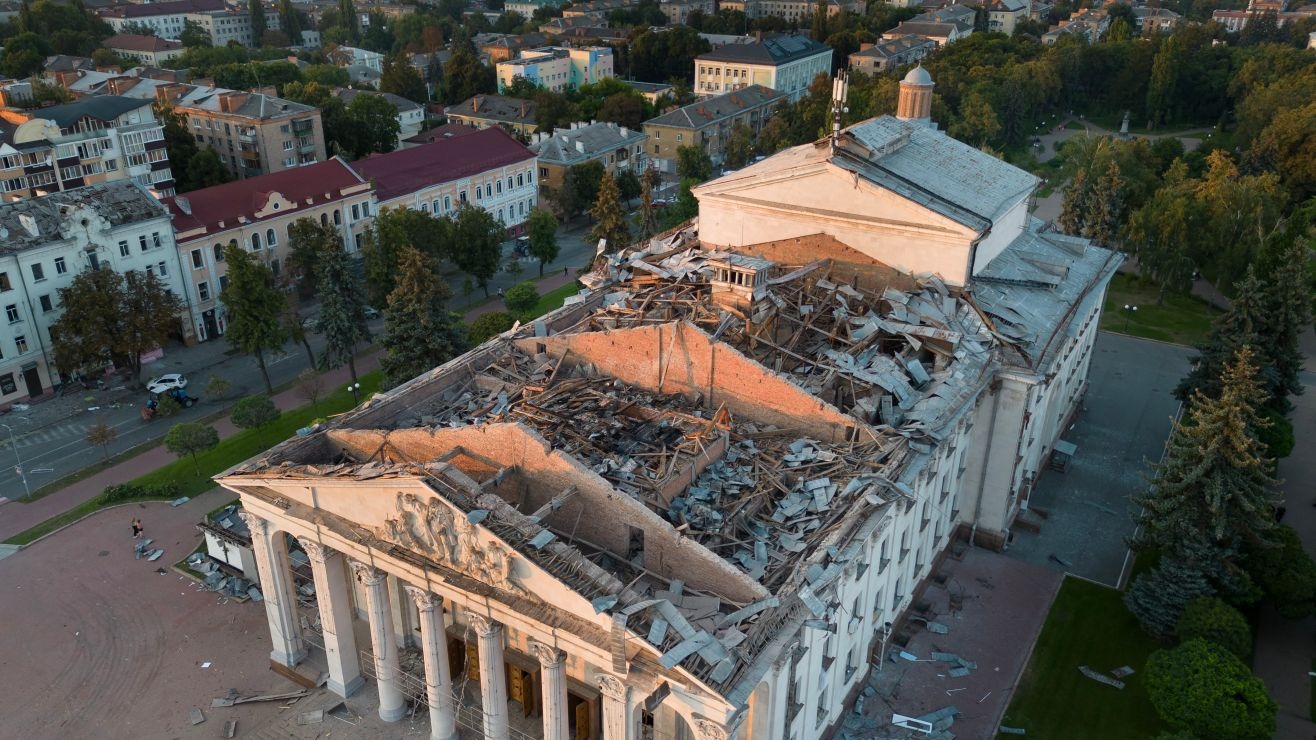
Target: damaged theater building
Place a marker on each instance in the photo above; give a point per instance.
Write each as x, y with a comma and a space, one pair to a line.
692, 502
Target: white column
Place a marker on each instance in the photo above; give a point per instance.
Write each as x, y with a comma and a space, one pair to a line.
402, 625
391, 705
493, 681
330, 570
553, 663
616, 708
438, 684
271, 550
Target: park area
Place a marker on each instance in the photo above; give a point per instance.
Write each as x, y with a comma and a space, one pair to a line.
1180, 318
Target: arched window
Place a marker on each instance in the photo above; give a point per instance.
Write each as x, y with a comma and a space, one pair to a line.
324, 219
219, 252
270, 239
338, 217
255, 242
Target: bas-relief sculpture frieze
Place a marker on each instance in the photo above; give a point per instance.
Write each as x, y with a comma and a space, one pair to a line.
435, 529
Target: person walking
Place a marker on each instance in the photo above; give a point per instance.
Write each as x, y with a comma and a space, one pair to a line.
137, 529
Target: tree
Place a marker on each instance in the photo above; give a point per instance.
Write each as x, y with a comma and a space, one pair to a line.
628, 186
1075, 198
1157, 597
25, 55
478, 237
977, 123
295, 326
290, 21
393, 230
489, 325
521, 299
1286, 574
217, 386
206, 170
1208, 618
1202, 688
1239, 327
693, 163
194, 35
1287, 297
1212, 495
342, 308
310, 386
112, 317
464, 75
400, 78
102, 435
347, 16
255, 412
256, 9
1162, 88
1103, 217
1159, 234
420, 333
610, 222
585, 180
542, 229
255, 308
191, 438
378, 123
307, 239
648, 224
739, 147
624, 108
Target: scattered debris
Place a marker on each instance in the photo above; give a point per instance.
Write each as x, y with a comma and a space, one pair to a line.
1123, 672
984, 697
195, 716
1057, 559
1011, 730
230, 728
313, 717
1100, 677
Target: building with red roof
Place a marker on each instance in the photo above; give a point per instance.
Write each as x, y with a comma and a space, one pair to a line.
488, 168
256, 214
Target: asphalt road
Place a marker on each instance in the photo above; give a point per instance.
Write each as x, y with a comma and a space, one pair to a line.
50, 440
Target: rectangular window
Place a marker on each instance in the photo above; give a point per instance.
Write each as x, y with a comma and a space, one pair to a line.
11, 313
356, 212
197, 260
21, 343
155, 240
163, 269
124, 250
46, 305
141, 240
4, 282
60, 266
223, 283
203, 291
38, 273
543, 172
461, 197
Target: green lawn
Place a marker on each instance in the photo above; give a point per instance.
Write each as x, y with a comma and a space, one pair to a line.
554, 298
230, 451
1181, 319
1088, 625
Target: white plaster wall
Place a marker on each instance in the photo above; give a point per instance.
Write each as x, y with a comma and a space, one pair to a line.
1005, 229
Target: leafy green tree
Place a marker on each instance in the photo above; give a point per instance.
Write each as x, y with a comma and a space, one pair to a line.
1073, 203
693, 163
1208, 618
521, 299
625, 108
1162, 89
378, 123
1288, 297
1159, 234
255, 412
102, 435
541, 227
585, 179
217, 386
1202, 688
1287, 146
685, 208
1286, 574
25, 55
610, 222
393, 230
1103, 217
194, 34
255, 308
206, 170
190, 439
739, 147
628, 186
464, 75
256, 9
349, 20
479, 244
296, 325
290, 21
420, 333
307, 239
342, 308
489, 325
400, 78
1212, 495
112, 317
325, 75
977, 123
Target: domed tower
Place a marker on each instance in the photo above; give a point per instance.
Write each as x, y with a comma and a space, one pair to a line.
915, 102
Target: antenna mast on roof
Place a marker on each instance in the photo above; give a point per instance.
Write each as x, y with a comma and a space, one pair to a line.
840, 91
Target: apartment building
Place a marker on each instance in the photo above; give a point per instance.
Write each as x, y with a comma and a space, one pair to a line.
785, 63
256, 214
45, 242
232, 25
489, 169
151, 50
708, 123
501, 47
678, 11
889, 54
616, 147
92, 140
254, 133
167, 18
799, 11
558, 68
482, 111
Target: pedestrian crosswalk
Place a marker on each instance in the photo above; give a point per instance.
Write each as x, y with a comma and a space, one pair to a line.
48, 434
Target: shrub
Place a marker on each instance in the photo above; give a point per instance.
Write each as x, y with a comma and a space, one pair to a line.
129, 491
489, 325
521, 299
1202, 688
1211, 619
1286, 575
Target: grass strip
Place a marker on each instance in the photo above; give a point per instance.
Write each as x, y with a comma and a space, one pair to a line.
1179, 319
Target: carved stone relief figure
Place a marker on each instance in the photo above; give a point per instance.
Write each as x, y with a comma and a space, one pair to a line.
435, 529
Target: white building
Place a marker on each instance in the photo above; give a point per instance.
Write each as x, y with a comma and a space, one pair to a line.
784, 63
410, 117
232, 25
170, 18
149, 50
681, 506
45, 242
558, 68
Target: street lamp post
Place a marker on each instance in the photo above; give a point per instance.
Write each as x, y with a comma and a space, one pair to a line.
27, 492
355, 388
881, 657
1129, 311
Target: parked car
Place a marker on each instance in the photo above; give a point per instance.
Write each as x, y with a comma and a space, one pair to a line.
371, 312
168, 382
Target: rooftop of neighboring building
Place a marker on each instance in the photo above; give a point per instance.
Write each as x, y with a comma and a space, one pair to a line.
140, 42
251, 105
929, 29
169, 7
64, 62
406, 171
495, 108
441, 133
582, 141
717, 108
402, 104
100, 107
222, 206
891, 47
775, 50
32, 222
514, 42
650, 88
